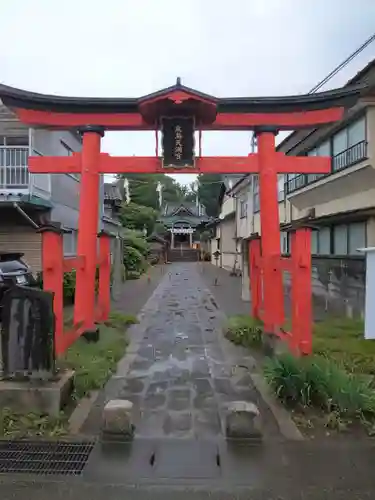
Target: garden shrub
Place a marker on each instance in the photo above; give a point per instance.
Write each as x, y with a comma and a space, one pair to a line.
244, 330
317, 382
133, 239
134, 261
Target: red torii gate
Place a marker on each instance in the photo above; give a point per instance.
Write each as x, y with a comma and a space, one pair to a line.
188, 110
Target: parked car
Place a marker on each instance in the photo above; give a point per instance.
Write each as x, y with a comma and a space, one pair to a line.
14, 271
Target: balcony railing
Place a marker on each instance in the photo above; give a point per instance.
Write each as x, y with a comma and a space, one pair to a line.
14, 174
345, 159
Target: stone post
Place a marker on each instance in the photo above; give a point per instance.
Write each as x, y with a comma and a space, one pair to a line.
172, 239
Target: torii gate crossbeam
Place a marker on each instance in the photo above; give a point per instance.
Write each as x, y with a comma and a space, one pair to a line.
187, 110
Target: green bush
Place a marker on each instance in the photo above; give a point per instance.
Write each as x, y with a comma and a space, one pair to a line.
135, 240
134, 261
317, 382
244, 330
69, 286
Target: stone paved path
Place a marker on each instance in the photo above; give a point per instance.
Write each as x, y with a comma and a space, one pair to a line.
180, 378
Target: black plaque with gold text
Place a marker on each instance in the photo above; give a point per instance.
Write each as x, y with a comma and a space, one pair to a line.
178, 141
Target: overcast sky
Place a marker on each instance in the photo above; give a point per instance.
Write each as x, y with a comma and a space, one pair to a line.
227, 48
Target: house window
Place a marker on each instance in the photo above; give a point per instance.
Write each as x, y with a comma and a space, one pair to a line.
324, 241
314, 242
340, 239
69, 152
70, 243
284, 242
256, 202
346, 147
17, 141
349, 145
357, 237
280, 188
323, 150
243, 209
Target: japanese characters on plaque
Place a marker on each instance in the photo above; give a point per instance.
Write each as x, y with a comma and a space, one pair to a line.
178, 142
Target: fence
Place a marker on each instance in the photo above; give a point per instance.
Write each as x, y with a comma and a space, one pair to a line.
54, 267
271, 309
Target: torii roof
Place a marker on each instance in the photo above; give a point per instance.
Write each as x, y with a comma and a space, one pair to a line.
14, 97
142, 113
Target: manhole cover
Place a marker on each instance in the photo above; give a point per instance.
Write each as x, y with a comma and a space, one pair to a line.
33, 457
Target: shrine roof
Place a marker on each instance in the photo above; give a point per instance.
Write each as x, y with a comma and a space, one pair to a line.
193, 221
174, 208
18, 98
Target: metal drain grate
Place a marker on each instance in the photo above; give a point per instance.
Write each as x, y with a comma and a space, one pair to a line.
46, 457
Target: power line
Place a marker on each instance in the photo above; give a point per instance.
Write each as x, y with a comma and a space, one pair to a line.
343, 64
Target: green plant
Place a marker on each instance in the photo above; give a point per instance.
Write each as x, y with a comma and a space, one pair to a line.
69, 287
23, 425
120, 320
342, 339
93, 363
134, 216
317, 382
244, 330
288, 380
133, 261
133, 239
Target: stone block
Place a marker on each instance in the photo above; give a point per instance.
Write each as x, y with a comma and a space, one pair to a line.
118, 419
39, 396
243, 421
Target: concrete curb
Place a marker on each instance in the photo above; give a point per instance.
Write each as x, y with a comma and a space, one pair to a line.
81, 412
286, 425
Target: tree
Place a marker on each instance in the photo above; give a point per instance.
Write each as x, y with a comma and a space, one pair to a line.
134, 216
209, 187
142, 189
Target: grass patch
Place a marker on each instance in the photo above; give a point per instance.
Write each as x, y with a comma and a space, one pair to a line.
244, 330
342, 340
15, 425
93, 364
318, 383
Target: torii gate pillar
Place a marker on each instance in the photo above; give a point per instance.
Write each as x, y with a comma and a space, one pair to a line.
270, 230
84, 311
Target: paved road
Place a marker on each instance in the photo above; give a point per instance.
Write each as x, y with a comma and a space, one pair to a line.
178, 374
180, 379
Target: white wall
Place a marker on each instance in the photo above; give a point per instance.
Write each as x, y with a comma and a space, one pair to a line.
227, 207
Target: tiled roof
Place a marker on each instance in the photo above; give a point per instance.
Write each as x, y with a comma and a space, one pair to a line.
112, 191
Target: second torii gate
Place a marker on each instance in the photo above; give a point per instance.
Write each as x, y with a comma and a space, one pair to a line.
178, 112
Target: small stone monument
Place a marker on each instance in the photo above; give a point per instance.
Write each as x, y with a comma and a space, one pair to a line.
117, 420
28, 334
30, 381
243, 421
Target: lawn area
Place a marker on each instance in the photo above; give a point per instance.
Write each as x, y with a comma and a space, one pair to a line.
93, 364
342, 340
329, 391
339, 339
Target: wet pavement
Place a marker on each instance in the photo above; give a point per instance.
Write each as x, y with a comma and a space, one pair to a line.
180, 378
180, 373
